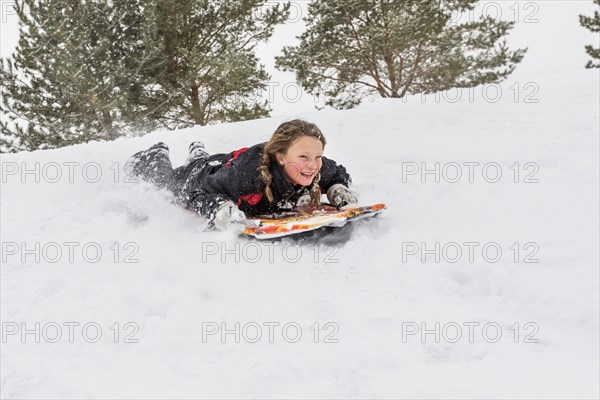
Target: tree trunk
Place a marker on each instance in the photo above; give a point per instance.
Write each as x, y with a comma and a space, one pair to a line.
196, 112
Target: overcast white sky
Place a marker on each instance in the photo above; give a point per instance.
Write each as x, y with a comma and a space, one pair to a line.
550, 29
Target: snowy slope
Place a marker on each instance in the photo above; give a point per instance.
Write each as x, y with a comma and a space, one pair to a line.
175, 283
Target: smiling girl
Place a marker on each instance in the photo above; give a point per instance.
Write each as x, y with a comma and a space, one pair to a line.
286, 172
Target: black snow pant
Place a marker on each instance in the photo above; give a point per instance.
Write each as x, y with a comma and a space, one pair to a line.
154, 166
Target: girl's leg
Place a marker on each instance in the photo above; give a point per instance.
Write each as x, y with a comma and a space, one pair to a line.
152, 165
196, 151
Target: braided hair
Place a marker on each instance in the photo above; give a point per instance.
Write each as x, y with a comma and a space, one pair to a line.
284, 137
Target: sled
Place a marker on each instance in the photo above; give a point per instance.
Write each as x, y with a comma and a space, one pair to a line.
307, 219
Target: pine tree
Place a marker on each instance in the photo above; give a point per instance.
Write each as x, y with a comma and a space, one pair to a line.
207, 70
71, 76
100, 69
354, 48
593, 24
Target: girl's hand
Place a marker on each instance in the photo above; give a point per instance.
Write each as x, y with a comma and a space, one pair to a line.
341, 197
228, 214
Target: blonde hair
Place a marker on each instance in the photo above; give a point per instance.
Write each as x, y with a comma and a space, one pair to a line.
285, 135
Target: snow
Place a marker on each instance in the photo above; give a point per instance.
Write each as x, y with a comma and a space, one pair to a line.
166, 286
175, 284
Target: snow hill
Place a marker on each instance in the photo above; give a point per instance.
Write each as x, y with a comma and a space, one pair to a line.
484, 284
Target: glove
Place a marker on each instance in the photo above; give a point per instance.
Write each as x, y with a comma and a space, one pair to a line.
341, 197
303, 200
228, 214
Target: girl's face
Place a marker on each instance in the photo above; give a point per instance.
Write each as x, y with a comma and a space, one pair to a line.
302, 161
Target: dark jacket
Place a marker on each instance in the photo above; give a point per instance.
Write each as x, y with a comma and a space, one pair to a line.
208, 182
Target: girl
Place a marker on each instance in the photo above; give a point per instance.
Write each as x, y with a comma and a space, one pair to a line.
286, 172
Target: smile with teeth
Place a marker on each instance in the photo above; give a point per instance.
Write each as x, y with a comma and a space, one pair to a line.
307, 175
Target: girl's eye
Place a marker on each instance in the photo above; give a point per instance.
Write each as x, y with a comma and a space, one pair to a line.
303, 157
